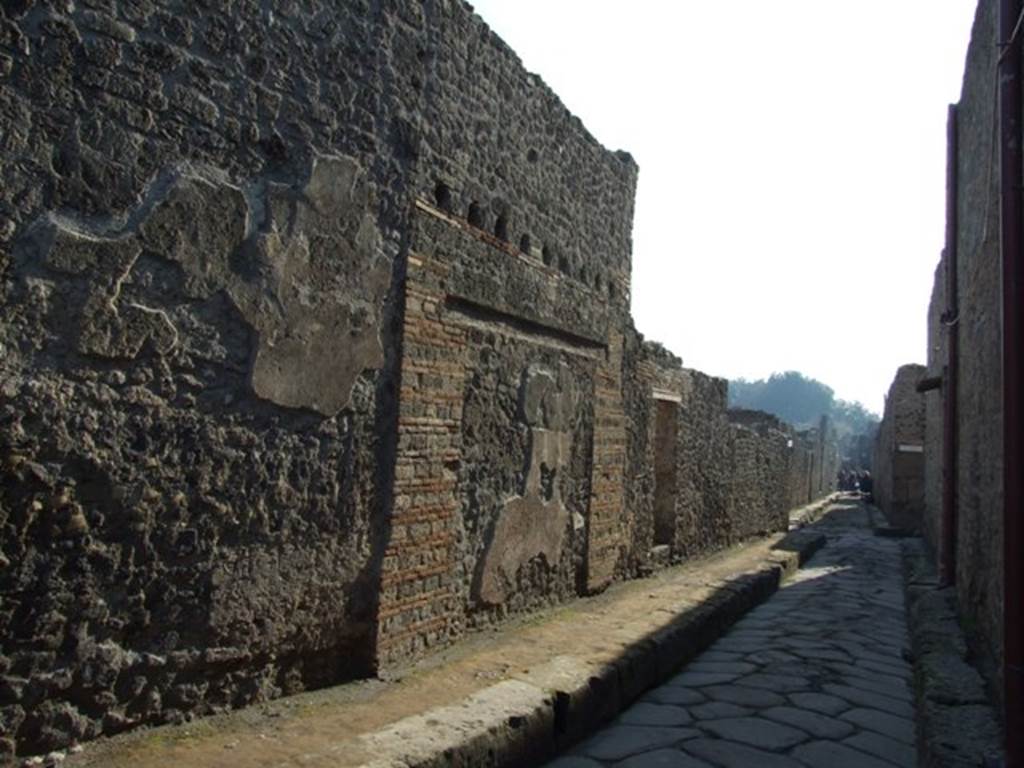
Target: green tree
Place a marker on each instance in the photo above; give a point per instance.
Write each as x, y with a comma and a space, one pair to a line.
791, 396
802, 401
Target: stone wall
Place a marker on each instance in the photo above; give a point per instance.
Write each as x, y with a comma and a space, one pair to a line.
979, 396
205, 214
979, 460
495, 434
934, 403
316, 353
737, 472
899, 459
202, 219
759, 479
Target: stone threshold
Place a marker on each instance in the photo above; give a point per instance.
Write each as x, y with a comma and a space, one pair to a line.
513, 696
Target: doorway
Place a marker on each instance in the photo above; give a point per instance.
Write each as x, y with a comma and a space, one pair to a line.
665, 440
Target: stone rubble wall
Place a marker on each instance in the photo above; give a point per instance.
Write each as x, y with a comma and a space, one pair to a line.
934, 404
315, 353
201, 208
738, 472
979, 396
979, 501
899, 458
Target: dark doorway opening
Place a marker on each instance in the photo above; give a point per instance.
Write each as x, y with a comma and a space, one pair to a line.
665, 439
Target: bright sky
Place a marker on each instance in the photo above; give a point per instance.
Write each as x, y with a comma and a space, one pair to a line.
790, 210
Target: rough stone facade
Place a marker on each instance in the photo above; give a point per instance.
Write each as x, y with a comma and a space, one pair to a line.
899, 459
931, 518
734, 473
316, 352
977, 324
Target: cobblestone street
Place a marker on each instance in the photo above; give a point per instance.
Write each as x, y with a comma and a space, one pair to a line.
816, 676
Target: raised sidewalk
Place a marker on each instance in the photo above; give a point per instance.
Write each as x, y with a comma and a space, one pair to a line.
512, 696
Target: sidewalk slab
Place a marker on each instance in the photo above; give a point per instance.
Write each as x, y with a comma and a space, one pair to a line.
808, 514
513, 696
785, 685
958, 725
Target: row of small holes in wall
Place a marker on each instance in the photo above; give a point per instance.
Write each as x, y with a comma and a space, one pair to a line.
475, 217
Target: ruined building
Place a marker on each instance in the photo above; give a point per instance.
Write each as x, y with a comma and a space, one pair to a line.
316, 354
963, 459
971, 388
899, 451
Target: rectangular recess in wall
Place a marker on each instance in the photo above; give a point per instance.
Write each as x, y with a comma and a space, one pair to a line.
469, 313
666, 425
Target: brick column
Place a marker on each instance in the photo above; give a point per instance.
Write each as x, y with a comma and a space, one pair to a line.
420, 601
605, 527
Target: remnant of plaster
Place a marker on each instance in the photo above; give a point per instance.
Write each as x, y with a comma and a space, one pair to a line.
107, 327
534, 523
310, 283
319, 322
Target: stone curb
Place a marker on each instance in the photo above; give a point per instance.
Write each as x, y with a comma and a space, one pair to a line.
811, 513
957, 725
526, 720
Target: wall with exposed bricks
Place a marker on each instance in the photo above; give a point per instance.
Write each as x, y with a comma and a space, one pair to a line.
317, 354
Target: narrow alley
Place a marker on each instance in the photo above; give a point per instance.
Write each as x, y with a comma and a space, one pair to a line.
362, 405
815, 676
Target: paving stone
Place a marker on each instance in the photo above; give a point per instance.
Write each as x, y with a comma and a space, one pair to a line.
646, 713
770, 656
735, 644
755, 731
870, 699
779, 683
856, 670
814, 677
698, 679
895, 727
897, 689
852, 647
619, 741
820, 726
898, 640
902, 671
830, 754
726, 667
894, 660
881, 643
720, 656
823, 654
662, 758
674, 694
806, 669
572, 761
746, 630
744, 696
824, 703
728, 755
888, 749
779, 604
718, 709
810, 618
812, 642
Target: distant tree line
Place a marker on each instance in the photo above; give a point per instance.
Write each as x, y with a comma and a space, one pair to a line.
802, 402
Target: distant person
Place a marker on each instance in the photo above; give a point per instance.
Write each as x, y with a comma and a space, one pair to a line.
867, 486
846, 480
